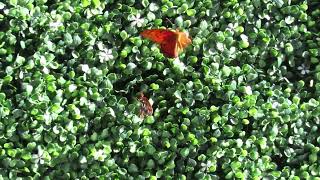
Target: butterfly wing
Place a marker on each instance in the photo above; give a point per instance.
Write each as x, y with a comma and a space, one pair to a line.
158, 35
170, 48
174, 45
146, 107
183, 40
171, 42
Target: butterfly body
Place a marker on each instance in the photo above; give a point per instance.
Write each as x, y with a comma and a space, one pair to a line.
146, 107
171, 42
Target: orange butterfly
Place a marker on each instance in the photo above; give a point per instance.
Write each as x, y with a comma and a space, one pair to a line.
146, 107
171, 42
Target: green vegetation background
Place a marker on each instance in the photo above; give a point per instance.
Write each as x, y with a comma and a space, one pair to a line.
241, 102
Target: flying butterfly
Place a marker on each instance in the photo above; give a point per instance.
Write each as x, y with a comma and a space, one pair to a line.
146, 107
171, 42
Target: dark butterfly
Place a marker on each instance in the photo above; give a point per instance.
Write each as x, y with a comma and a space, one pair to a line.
146, 107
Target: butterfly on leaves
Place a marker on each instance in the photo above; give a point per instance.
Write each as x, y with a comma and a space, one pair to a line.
171, 42
145, 108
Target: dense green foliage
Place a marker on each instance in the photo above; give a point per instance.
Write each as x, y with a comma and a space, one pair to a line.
241, 102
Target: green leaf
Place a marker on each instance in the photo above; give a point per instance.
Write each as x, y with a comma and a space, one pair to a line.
68, 38
154, 86
150, 149
153, 7
20, 60
279, 3
28, 89
150, 120
13, 2
96, 3
191, 12
26, 156
244, 44
2, 7
288, 48
226, 71
235, 165
184, 152
85, 3
123, 35
151, 16
179, 21
133, 168
145, 3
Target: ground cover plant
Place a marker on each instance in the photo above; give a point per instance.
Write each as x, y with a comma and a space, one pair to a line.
241, 102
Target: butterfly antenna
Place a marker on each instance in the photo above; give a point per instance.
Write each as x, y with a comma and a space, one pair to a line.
170, 21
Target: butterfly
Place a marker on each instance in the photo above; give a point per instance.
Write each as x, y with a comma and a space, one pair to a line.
171, 42
146, 107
